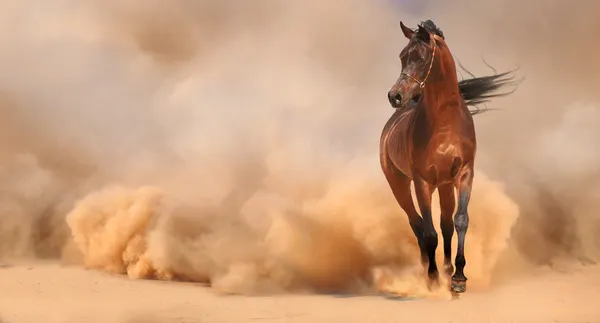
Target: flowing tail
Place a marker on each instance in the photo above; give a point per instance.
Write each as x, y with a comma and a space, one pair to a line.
479, 90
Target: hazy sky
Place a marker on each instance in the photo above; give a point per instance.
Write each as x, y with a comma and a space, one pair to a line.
411, 6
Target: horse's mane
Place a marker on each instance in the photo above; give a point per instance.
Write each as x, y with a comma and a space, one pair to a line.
432, 28
477, 90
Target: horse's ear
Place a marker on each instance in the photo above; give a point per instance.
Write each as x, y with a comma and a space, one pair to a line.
408, 33
423, 34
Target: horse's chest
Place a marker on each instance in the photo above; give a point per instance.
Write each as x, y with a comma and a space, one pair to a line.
436, 162
436, 151
397, 143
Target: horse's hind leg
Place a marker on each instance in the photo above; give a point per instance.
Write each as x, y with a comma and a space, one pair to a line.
424, 193
400, 185
461, 223
447, 205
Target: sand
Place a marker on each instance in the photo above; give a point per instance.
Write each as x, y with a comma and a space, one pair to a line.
48, 292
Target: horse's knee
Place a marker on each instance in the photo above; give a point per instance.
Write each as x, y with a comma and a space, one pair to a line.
430, 234
416, 222
431, 238
461, 222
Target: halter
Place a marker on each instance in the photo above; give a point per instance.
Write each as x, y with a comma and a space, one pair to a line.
422, 83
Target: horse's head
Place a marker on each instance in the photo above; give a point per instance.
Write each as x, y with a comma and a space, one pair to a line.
417, 60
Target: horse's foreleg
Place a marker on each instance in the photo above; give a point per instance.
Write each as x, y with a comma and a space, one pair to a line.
461, 223
400, 185
447, 205
424, 192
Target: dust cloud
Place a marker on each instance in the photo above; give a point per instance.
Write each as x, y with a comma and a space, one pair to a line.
234, 143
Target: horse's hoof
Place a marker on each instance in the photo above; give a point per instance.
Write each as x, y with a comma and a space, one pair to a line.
458, 286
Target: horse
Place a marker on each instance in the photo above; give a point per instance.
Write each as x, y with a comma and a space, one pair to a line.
430, 141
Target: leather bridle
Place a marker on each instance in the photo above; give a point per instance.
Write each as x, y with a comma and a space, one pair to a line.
422, 83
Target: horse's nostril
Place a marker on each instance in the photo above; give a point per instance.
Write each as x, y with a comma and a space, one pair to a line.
398, 98
395, 98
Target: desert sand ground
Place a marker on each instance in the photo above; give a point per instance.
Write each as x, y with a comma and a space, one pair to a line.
47, 292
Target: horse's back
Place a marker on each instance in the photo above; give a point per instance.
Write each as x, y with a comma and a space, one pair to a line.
395, 140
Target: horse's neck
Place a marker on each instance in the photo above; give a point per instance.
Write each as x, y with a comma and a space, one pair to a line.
442, 95
444, 66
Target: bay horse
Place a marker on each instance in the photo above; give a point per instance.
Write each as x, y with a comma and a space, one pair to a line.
430, 140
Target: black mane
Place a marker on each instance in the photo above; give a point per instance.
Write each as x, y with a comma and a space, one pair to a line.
432, 28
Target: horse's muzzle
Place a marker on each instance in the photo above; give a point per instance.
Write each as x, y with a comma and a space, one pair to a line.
395, 99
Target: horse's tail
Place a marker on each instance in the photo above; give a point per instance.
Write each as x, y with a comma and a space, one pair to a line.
479, 90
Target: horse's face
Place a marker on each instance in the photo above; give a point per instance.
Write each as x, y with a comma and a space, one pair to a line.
417, 60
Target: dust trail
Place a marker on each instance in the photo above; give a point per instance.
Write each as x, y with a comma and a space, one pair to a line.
231, 143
